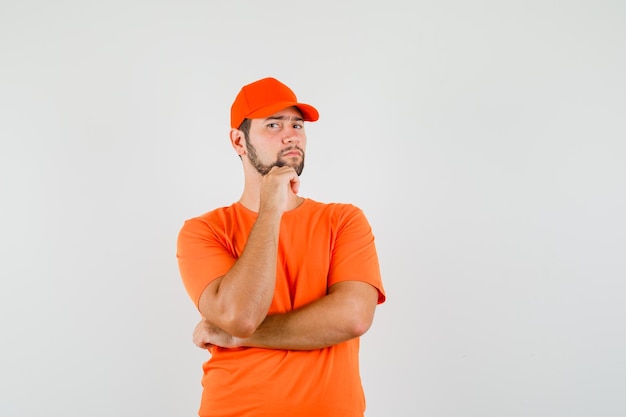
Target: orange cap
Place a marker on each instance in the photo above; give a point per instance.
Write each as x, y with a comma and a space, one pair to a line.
265, 97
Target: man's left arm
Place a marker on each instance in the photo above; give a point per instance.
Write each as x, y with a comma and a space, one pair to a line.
346, 312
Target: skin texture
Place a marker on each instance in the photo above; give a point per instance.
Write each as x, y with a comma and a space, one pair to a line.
234, 307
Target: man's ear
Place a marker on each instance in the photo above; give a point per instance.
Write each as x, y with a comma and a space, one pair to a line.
238, 141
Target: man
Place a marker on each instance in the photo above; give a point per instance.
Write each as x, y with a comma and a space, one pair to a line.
285, 285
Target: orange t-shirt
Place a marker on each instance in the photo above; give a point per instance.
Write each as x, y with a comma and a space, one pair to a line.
319, 245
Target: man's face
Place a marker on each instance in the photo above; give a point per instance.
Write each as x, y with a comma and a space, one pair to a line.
277, 140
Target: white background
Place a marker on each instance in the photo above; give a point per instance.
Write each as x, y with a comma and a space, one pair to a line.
485, 141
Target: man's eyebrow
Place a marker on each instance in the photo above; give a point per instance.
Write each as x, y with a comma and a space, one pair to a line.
295, 118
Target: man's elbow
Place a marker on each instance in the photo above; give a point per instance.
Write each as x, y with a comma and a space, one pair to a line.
236, 322
244, 330
240, 326
358, 303
360, 322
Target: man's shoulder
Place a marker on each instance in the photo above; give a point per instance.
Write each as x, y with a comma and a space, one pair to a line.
331, 205
216, 212
215, 215
332, 208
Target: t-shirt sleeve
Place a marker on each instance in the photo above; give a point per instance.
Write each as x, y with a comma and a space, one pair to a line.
202, 257
354, 256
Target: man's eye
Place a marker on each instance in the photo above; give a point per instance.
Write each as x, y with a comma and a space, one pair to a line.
272, 125
297, 126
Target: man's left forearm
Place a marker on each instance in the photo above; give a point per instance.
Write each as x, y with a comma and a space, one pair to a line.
345, 313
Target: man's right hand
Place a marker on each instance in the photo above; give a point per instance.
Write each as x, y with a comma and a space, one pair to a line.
276, 188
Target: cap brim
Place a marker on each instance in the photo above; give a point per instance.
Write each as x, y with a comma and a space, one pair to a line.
309, 113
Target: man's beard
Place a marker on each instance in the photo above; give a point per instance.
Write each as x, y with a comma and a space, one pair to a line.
264, 169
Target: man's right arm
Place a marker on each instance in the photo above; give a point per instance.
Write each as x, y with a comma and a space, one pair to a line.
238, 302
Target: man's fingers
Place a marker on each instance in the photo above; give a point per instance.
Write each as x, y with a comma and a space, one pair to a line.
295, 185
291, 176
202, 342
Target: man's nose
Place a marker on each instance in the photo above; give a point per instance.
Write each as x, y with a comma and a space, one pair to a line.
291, 134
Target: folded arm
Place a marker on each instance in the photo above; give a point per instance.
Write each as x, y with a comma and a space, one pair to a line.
238, 301
344, 313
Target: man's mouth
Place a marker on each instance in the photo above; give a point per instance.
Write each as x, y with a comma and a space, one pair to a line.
292, 152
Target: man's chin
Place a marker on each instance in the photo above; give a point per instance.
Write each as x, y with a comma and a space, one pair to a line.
297, 165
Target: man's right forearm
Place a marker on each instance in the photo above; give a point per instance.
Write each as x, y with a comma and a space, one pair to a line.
239, 301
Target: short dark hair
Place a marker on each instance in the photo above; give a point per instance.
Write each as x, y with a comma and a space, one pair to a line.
245, 128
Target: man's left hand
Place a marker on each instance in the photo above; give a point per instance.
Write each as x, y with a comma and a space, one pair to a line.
206, 335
